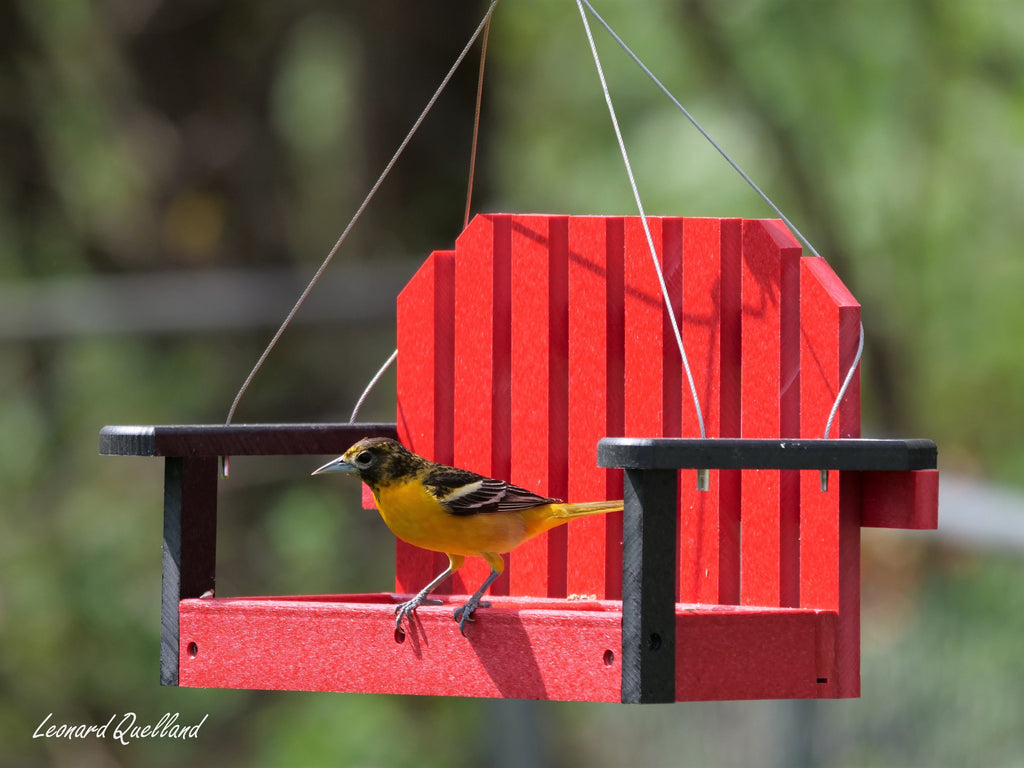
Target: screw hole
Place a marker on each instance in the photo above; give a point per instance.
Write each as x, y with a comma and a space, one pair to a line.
822, 679
609, 657
655, 641
193, 650
399, 635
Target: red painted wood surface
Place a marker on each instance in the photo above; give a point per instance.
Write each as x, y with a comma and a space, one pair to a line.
546, 333
483, 345
426, 323
595, 398
709, 522
829, 521
526, 648
740, 652
901, 499
769, 375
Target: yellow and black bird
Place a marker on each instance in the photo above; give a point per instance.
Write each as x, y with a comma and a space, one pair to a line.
454, 511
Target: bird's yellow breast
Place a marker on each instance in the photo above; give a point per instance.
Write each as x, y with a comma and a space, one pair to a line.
417, 517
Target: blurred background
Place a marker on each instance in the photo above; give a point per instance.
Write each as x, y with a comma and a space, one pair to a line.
171, 175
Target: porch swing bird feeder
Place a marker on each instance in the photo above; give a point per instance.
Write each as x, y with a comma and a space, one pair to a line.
540, 350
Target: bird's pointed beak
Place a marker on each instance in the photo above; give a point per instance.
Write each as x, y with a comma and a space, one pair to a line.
335, 465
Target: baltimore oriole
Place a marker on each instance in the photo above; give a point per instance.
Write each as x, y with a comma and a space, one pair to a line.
454, 511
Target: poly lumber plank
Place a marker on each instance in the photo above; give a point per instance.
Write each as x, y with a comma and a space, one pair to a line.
540, 392
829, 520
595, 399
525, 649
483, 343
670, 251
194, 440
850, 455
770, 291
754, 653
528, 648
189, 546
646, 354
425, 321
830, 316
648, 589
901, 499
709, 520
425, 317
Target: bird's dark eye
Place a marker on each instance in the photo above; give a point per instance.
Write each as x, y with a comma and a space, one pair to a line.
364, 459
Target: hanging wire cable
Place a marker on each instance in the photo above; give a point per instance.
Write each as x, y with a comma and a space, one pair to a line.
846, 382
736, 167
359, 212
643, 220
476, 122
469, 200
699, 127
371, 385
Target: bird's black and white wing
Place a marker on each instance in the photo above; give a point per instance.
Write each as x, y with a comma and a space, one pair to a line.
467, 493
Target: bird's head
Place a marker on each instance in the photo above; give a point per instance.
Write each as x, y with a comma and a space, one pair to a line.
373, 459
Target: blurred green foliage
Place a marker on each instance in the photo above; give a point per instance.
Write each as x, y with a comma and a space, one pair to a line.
141, 137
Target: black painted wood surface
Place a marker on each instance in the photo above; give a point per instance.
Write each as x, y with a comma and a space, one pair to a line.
237, 439
742, 453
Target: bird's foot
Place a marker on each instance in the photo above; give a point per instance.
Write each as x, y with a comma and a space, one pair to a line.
464, 612
406, 608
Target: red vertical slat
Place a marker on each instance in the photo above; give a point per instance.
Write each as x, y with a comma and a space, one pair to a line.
595, 398
770, 292
730, 419
789, 402
671, 254
539, 391
699, 529
829, 523
652, 361
425, 330
482, 403
645, 352
615, 404
558, 422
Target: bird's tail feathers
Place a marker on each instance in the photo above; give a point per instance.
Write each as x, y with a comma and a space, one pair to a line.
568, 511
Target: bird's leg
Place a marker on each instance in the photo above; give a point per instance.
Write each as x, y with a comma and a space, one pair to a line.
464, 612
422, 597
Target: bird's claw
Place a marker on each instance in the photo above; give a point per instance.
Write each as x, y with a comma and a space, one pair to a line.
407, 608
464, 612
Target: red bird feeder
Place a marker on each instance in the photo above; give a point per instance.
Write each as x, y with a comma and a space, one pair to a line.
536, 339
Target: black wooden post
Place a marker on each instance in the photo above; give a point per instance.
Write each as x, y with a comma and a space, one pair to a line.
189, 546
648, 587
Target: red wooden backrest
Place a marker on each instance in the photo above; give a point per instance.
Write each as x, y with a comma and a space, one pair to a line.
539, 335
